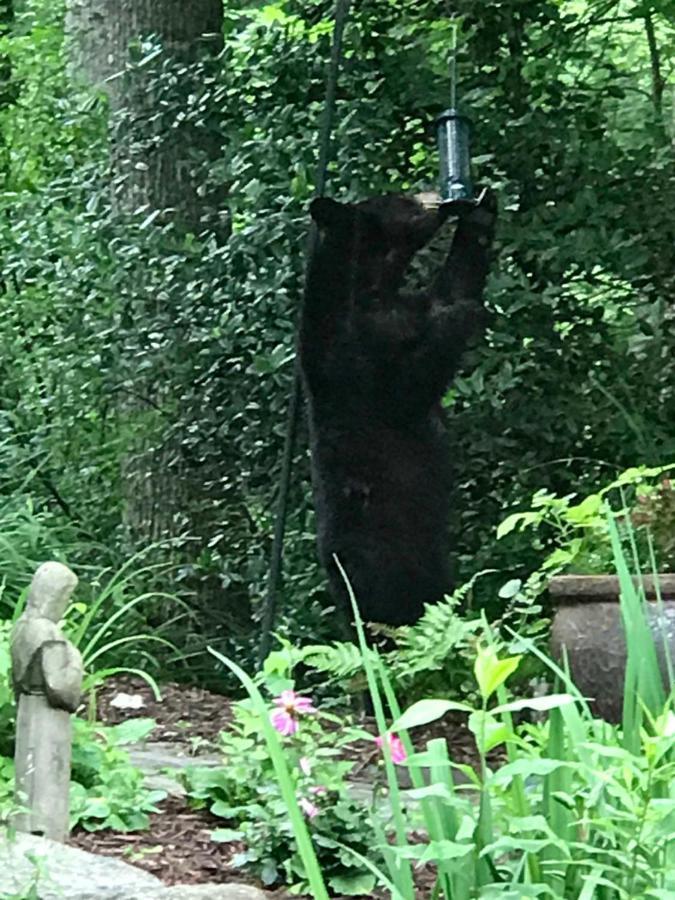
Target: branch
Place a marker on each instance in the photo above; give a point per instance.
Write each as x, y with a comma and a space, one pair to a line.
658, 82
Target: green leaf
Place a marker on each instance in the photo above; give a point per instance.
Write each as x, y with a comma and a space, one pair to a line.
131, 731
491, 672
226, 835
488, 731
360, 884
517, 519
588, 509
437, 791
510, 589
525, 768
425, 711
541, 704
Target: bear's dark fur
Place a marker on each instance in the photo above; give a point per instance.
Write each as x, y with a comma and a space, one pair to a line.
375, 363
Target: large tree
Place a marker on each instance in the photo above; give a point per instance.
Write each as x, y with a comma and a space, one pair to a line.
133, 51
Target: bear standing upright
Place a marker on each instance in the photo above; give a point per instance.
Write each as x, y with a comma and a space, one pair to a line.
376, 362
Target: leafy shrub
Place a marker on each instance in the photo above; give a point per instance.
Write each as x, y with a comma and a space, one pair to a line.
577, 534
571, 809
585, 265
438, 650
28, 537
106, 790
437, 653
245, 792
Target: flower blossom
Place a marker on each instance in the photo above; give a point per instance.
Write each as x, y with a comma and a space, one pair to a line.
396, 748
290, 707
309, 809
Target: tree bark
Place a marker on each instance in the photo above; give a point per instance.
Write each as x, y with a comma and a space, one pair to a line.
106, 37
107, 40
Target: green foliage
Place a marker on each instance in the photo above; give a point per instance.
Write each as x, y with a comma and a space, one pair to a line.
437, 651
435, 655
7, 799
575, 806
246, 792
7, 714
578, 529
28, 536
574, 382
106, 790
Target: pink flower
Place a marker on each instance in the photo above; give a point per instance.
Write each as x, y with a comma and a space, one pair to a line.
290, 707
396, 748
318, 790
309, 809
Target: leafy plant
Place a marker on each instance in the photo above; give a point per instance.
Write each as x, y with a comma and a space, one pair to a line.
578, 806
579, 531
106, 790
435, 652
246, 792
575, 378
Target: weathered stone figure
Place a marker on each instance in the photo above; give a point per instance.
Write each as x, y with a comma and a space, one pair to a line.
47, 676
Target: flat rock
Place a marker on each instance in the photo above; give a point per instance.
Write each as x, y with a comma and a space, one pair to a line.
61, 872
66, 873
158, 759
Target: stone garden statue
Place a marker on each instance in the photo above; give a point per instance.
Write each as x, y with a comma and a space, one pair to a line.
47, 676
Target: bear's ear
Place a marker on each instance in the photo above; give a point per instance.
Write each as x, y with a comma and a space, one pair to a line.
330, 214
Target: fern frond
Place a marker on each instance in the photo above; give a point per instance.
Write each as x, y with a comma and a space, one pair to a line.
340, 659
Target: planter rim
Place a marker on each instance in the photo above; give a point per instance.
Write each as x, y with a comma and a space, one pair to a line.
595, 588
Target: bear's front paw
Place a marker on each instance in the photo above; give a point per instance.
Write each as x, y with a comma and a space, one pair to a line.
483, 213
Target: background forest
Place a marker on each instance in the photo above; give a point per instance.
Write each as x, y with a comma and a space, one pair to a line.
153, 213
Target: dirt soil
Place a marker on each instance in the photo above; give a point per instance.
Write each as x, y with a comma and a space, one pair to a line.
177, 847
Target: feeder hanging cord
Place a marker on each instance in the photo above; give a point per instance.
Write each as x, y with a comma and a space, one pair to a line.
276, 556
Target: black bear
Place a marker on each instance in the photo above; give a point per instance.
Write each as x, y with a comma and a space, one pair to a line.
376, 362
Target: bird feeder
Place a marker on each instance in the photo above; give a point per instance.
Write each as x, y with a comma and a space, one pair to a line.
453, 132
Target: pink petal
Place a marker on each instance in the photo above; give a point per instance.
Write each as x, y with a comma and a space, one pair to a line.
285, 698
318, 790
396, 748
304, 705
283, 722
398, 754
309, 809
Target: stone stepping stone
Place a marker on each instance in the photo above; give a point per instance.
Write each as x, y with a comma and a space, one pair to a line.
60, 872
157, 759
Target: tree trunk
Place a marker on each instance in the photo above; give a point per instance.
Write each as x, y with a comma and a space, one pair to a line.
105, 37
157, 175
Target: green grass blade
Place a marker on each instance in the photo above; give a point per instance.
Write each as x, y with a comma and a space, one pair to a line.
402, 873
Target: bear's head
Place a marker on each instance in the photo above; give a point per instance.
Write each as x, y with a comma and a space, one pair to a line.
381, 234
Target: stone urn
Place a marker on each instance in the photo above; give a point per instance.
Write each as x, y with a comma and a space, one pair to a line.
588, 623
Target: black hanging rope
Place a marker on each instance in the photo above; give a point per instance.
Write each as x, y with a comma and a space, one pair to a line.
276, 557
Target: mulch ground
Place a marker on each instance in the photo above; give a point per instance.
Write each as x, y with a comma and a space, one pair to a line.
177, 847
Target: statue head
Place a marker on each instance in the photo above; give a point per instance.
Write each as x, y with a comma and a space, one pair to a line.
50, 591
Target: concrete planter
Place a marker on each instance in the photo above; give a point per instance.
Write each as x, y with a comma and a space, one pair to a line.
588, 623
